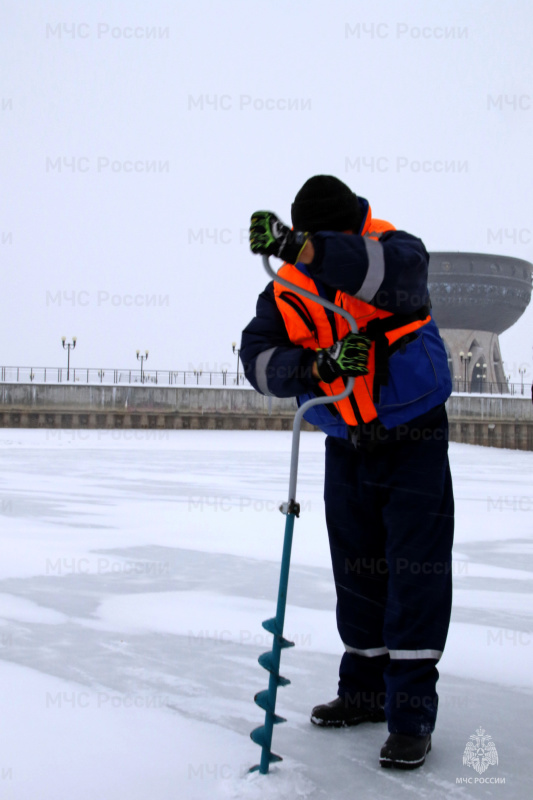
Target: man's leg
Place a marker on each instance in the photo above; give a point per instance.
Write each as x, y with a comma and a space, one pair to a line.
357, 543
419, 518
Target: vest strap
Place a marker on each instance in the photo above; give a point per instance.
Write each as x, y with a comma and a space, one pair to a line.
376, 330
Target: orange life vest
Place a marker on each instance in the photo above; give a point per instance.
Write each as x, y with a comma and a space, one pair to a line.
309, 325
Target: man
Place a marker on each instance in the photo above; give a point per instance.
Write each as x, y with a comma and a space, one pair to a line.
388, 492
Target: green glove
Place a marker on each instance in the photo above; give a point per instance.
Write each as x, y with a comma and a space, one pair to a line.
270, 237
346, 358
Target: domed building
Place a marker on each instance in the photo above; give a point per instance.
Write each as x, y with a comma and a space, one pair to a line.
475, 297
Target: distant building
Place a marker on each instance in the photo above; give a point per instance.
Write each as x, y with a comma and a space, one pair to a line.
475, 297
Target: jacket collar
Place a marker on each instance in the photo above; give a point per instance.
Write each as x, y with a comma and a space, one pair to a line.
366, 213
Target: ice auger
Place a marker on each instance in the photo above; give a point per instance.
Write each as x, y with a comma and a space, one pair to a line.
271, 660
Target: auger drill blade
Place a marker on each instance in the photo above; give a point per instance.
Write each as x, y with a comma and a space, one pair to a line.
260, 737
272, 757
266, 661
285, 643
271, 626
264, 701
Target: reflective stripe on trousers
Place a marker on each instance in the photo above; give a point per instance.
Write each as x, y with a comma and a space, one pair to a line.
398, 654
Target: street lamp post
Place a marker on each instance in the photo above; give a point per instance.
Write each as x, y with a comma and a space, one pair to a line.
465, 359
142, 358
236, 350
482, 375
68, 346
522, 370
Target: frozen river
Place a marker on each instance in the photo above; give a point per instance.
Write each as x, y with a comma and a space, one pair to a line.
136, 570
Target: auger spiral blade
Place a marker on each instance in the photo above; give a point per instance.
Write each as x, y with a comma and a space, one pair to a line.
263, 737
272, 626
263, 700
270, 661
272, 757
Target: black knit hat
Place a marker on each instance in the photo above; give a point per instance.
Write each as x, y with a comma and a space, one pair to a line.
325, 203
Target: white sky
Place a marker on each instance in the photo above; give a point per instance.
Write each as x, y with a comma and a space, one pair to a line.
403, 92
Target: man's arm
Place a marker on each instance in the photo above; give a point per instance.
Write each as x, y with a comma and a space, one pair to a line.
276, 366
390, 273
272, 363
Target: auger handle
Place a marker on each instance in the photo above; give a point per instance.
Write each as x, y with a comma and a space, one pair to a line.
310, 296
315, 401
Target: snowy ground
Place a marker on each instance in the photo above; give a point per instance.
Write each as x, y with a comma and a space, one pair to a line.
136, 570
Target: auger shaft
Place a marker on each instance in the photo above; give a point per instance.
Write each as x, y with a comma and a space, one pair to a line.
271, 660
277, 645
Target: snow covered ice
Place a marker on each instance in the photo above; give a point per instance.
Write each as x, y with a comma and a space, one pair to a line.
137, 567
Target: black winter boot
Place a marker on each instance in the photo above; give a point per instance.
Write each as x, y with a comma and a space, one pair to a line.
405, 752
341, 714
